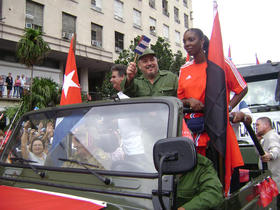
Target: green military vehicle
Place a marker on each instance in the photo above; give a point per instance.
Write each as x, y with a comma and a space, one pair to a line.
124, 153
263, 101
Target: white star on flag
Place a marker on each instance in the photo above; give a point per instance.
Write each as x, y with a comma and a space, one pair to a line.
68, 82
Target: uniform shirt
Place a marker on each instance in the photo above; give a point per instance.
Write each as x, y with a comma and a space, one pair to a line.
200, 188
192, 80
165, 84
192, 84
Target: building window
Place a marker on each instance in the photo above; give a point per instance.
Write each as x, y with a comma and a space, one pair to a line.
136, 18
118, 10
165, 7
166, 32
176, 15
186, 21
153, 24
177, 38
68, 25
185, 2
96, 35
34, 15
119, 37
152, 3
96, 5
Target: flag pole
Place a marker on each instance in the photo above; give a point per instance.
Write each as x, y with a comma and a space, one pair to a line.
135, 58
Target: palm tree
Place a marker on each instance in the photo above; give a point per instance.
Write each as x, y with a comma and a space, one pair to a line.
31, 49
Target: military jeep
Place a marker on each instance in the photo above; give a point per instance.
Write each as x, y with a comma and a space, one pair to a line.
112, 151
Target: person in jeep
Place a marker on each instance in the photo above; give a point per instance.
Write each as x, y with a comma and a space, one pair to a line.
153, 82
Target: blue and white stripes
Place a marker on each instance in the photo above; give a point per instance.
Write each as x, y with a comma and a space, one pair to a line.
142, 45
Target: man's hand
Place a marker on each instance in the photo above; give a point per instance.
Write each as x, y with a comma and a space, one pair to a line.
131, 71
266, 157
241, 117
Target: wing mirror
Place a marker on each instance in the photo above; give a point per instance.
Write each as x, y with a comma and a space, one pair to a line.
173, 156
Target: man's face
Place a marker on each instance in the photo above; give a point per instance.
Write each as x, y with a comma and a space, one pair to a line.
116, 80
260, 127
149, 66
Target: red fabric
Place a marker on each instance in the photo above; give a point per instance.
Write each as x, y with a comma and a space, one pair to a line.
266, 194
185, 131
14, 198
233, 155
71, 93
243, 175
273, 186
192, 75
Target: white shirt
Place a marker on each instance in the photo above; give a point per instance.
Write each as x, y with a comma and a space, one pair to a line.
271, 144
39, 160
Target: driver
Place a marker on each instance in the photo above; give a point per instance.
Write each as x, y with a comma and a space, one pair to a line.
82, 154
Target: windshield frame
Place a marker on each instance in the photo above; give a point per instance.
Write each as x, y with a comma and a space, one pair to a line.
171, 126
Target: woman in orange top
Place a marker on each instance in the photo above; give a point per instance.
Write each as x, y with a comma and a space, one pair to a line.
192, 82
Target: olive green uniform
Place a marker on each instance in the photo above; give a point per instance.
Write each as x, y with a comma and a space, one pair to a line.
200, 188
165, 84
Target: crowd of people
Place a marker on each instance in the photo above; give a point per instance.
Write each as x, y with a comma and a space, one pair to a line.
36, 142
13, 88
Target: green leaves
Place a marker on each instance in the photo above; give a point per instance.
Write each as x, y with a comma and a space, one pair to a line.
31, 48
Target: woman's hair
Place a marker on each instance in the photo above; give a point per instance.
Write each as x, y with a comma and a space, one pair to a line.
36, 139
201, 36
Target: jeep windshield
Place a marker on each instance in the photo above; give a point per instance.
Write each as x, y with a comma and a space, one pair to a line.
108, 137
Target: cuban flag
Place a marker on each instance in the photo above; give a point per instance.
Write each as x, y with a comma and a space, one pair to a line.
142, 45
71, 93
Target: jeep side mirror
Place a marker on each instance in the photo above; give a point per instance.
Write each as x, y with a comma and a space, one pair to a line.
174, 155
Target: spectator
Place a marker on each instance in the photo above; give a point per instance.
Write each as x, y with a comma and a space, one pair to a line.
36, 150
22, 85
153, 82
271, 146
9, 83
1, 85
16, 87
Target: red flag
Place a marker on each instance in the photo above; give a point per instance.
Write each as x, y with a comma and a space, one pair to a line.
233, 157
243, 175
229, 53
71, 93
13, 198
273, 186
257, 60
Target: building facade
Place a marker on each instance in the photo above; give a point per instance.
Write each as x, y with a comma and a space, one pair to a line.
103, 28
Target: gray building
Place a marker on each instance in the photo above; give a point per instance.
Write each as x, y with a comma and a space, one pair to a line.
103, 27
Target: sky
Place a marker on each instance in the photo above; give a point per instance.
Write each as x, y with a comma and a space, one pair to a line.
249, 27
